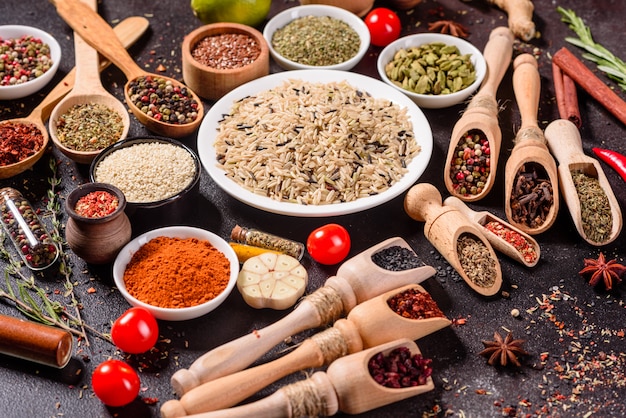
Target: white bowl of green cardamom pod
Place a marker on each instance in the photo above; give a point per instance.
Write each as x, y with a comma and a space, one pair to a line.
317, 36
434, 70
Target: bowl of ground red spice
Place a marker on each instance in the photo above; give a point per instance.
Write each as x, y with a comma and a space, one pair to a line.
29, 59
177, 273
317, 36
221, 56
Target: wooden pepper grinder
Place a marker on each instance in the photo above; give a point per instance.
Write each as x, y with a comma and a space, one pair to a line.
565, 143
531, 183
358, 279
369, 324
454, 235
481, 115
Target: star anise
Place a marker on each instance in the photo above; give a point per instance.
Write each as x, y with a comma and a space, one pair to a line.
504, 351
449, 27
609, 272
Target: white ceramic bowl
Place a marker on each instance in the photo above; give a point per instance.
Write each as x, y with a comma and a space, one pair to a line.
30, 87
432, 101
176, 314
283, 18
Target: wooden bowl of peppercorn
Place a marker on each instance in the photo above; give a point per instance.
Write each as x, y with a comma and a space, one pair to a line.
221, 56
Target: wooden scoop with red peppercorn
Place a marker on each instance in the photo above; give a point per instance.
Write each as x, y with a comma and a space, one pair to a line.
531, 189
353, 384
565, 143
179, 111
357, 280
503, 236
470, 169
405, 312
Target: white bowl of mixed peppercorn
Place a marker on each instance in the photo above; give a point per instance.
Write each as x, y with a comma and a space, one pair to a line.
317, 37
29, 59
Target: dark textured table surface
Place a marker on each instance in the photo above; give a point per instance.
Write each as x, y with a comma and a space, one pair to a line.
574, 332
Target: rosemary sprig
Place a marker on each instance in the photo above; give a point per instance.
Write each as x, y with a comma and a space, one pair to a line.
608, 63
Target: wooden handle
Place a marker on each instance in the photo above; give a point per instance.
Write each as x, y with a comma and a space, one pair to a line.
232, 389
527, 86
498, 52
87, 61
238, 354
565, 143
97, 33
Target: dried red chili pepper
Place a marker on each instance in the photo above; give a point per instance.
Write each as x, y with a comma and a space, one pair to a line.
18, 141
614, 159
97, 204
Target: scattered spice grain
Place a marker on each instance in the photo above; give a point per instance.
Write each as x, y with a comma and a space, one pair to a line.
23, 59
476, 260
226, 51
89, 127
18, 141
177, 273
316, 41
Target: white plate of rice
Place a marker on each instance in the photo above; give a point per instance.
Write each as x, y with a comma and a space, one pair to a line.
315, 143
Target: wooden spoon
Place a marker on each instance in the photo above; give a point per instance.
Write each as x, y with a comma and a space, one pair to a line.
483, 218
566, 145
332, 389
445, 226
87, 89
482, 112
369, 324
97, 33
530, 148
128, 31
358, 279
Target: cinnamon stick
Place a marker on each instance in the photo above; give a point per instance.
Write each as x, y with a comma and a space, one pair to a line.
566, 96
585, 78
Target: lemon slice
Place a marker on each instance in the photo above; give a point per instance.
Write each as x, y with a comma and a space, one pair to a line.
272, 280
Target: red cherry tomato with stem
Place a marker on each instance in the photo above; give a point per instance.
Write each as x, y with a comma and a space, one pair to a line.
384, 26
329, 244
115, 383
135, 331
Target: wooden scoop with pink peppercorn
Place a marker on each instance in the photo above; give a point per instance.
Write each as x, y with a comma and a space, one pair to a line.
480, 120
369, 324
326, 393
357, 280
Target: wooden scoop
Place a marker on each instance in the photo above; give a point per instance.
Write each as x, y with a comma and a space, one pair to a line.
332, 389
369, 324
358, 279
482, 112
500, 244
566, 145
445, 225
87, 89
97, 33
530, 144
128, 31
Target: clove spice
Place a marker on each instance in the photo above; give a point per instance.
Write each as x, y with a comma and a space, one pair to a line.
532, 196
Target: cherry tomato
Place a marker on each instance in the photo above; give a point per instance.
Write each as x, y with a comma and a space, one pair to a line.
115, 383
384, 26
329, 244
135, 331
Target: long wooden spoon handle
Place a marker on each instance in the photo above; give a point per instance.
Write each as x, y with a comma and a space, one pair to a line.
564, 141
128, 31
86, 58
97, 33
526, 86
498, 52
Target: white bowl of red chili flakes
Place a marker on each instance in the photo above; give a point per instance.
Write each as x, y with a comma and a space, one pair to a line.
30, 58
177, 273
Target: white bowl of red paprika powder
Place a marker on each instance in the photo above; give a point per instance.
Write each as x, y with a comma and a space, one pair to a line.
177, 273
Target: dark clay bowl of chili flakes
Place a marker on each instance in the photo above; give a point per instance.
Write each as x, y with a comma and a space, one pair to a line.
221, 56
317, 37
155, 174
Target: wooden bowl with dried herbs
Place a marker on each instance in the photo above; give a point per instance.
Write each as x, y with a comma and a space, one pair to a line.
434, 70
317, 37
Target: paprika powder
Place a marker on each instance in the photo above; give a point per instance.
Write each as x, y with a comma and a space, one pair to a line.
173, 272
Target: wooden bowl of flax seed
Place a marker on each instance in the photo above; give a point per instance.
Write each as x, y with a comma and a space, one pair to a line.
221, 56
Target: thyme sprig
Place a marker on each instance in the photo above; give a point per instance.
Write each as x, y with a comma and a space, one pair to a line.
608, 63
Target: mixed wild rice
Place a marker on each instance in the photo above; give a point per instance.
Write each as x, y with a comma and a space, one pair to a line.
315, 143
147, 172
